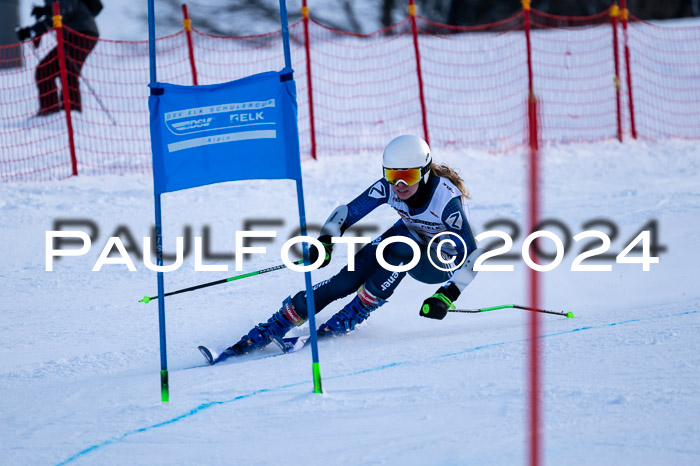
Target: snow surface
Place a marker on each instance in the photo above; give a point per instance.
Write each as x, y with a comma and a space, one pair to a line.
79, 356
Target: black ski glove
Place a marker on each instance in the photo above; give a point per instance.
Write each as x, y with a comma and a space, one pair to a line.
327, 246
23, 33
32, 32
437, 306
39, 11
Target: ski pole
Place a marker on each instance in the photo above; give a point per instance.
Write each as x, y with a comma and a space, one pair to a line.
87, 84
147, 299
94, 94
568, 315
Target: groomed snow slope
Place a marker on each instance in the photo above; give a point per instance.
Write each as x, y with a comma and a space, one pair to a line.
79, 360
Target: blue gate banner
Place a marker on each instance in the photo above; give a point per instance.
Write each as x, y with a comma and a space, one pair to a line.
239, 130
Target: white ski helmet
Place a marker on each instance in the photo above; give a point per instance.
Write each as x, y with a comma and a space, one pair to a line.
408, 151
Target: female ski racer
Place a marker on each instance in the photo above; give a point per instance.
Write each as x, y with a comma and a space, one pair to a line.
428, 198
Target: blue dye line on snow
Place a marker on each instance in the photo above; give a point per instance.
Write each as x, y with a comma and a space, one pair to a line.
210, 404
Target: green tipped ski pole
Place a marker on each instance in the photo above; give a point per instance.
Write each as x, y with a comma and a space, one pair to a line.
568, 315
147, 299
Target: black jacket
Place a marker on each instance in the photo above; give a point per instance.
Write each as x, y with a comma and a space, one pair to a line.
75, 16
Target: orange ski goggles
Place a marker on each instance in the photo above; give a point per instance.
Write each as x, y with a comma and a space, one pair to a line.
409, 176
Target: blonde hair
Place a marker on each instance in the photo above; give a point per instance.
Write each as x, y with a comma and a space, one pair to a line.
445, 171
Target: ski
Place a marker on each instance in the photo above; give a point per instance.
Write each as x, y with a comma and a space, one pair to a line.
286, 345
290, 345
207, 354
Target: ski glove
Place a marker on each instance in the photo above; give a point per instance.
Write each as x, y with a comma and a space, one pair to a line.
23, 33
328, 248
32, 32
39, 11
437, 306
334, 226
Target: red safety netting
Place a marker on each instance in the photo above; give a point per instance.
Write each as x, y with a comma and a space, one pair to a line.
665, 79
112, 133
574, 77
108, 97
475, 83
32, 148
366, 88
221, 59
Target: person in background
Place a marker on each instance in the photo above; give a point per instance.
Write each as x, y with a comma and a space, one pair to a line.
80, 37
429, 201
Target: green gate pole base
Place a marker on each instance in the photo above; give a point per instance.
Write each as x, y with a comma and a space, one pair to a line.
317, 377
164, 390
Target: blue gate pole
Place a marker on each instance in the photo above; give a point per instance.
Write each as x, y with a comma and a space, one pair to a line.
164, 389
315, 366
285, 34
310, 305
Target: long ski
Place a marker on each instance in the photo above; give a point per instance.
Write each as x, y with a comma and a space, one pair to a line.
285, 345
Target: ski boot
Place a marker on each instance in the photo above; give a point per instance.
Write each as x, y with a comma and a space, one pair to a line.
354, 313
262, 334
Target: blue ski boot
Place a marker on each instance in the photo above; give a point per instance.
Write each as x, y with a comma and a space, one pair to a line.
262, 334
354, 313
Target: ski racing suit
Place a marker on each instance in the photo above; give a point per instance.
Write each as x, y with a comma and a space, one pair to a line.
435, 208
442, 211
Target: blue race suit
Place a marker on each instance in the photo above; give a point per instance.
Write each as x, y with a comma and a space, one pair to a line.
442, 212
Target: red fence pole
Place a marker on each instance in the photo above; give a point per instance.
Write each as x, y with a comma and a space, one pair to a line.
532, 104
534, 350
414, 29
614, 20
63, 71
187, 22
624, 15
309, 81
534, 443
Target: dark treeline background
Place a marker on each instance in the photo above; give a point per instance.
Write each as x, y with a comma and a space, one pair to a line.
473, 12
244, 17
